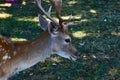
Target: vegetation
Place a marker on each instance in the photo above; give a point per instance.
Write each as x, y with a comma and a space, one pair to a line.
96, 36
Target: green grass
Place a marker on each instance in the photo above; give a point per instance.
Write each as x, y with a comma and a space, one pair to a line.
99, 48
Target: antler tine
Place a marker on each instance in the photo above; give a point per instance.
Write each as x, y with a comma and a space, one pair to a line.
57, 5
47, 14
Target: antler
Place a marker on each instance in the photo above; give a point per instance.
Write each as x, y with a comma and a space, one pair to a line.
57, 5
47, 14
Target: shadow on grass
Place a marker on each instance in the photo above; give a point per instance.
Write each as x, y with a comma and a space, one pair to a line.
19, 29
99, 48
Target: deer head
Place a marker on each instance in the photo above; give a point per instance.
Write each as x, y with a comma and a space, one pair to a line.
61, 40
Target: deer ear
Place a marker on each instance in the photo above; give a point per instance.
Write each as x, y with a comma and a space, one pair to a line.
43, 22
53, 30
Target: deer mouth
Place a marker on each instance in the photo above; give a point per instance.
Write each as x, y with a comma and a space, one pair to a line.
73, 58
66, 55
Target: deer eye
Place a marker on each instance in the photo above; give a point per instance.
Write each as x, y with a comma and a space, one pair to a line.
67, 40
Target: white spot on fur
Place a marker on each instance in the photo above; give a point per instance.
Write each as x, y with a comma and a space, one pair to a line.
14, 53
9, 57
5, 57
4, 41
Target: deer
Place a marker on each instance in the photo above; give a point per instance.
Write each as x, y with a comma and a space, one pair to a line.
18, 56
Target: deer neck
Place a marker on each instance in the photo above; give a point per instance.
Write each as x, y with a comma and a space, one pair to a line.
33, 51
42, 45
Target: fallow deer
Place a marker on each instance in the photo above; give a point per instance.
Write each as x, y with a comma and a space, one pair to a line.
18, 56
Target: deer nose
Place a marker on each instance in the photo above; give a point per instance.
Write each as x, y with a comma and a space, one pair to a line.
76, 53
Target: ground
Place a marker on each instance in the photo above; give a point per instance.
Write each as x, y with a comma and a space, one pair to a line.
96, 35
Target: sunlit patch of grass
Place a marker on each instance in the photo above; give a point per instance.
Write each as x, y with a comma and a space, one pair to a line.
93, 11
116, 33
70, 3
24, 3
79, 34
4, 15
6, 5
113, 71
72, 16
84, 20
35, 19
18, 39
56, 59
69, 17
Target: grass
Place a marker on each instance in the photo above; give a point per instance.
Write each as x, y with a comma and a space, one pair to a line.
97, 38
